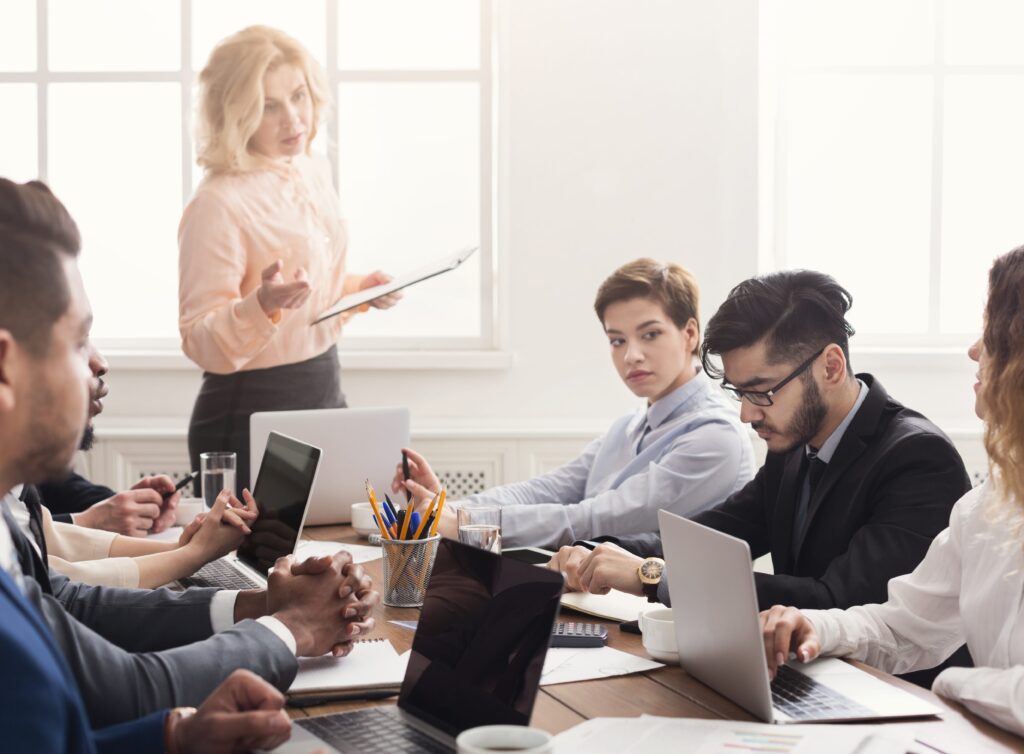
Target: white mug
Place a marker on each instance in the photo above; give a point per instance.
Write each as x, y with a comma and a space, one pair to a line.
488, 739
363, 520
659, 634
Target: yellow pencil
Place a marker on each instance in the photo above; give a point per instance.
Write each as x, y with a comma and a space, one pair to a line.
426, 517
437, 516
376, 511
405, 523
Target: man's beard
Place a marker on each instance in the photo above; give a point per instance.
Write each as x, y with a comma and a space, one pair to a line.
807, 420
88, 438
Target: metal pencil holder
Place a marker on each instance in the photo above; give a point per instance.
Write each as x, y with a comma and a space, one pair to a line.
407, 567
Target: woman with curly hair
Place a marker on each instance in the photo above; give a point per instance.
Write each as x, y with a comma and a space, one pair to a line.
969, 586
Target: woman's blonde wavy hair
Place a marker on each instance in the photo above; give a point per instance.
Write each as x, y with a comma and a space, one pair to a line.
231, 94
1002, 390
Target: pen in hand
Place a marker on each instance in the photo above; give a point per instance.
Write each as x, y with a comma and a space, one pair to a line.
188, 478
405, 473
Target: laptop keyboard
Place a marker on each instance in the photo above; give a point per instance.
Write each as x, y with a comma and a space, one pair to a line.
220, 573
368, 731
803, 698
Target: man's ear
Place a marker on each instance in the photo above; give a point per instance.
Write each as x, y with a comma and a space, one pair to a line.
835, 365
8, 370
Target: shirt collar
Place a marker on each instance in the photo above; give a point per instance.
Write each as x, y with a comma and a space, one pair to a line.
669, 405
828, 448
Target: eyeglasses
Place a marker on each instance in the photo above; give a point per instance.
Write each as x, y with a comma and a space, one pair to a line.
764, 398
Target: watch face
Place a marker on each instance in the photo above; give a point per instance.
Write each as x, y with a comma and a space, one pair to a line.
652, 569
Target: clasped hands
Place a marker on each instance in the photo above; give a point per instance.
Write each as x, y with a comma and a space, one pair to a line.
326, 602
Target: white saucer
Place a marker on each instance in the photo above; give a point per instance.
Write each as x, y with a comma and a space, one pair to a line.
671, 658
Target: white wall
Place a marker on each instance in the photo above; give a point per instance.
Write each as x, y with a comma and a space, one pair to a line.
625, 129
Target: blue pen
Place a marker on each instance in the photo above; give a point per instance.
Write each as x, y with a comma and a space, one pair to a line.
414, 522
389, 517
390, 508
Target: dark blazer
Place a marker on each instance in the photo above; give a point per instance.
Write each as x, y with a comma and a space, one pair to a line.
73, 495
886, 493
40, 707
135, 651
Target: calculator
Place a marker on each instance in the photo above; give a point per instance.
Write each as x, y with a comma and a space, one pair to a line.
578, 635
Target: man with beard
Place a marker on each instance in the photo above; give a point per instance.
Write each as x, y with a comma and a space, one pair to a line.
855, 485
76, 500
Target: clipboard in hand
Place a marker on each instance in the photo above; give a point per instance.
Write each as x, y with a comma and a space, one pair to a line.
437, 267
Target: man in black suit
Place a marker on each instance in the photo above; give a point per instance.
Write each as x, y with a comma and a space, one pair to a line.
855, 485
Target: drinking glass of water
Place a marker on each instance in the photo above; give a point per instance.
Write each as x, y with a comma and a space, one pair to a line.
480, 526
218, 473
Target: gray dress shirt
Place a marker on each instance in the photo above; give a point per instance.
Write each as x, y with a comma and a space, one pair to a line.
685, 453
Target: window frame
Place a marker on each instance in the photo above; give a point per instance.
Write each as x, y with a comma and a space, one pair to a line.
773, 142
484, 351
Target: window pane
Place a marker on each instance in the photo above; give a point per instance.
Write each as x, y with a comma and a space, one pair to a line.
874, 32
857, 188
114, 35
18, 36
409, 162
408, 34
984, 31
120, 177
19, 159
982, 191
213, 20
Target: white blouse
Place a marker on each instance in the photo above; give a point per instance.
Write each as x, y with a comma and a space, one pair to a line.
968, 588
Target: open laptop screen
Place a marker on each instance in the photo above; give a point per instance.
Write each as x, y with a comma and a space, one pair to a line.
481, 640
282, 490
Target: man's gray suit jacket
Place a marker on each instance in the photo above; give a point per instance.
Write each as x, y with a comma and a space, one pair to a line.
136, 651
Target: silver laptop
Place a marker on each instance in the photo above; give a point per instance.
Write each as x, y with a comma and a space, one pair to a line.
714, 606
358, 443
288, 472
476, 660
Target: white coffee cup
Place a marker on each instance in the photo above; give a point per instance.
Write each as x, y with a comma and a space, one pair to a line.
488, 739
188, 509
659, 634
363, 520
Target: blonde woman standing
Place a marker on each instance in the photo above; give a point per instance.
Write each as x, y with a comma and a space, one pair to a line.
262, 245
969, 586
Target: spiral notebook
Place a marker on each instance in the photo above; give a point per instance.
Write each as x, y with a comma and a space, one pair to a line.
372, 669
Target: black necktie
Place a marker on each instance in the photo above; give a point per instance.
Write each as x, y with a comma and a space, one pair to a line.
814, 468
814, 473
31, 564
30, 497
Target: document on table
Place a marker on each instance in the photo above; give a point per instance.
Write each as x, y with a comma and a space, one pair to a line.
568, 664
312, 548
672, 735
170, 534
615, 605
372, 665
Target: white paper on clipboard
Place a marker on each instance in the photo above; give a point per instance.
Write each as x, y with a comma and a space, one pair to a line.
437, 267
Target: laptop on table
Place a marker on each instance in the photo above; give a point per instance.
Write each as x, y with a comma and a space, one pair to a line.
476, 659
286, 477
720, 644
359, 444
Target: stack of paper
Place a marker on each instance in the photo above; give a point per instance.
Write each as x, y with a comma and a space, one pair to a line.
657, 735
615, 605
371, 666
568, 664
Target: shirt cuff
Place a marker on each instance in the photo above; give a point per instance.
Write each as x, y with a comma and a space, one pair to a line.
74, 519
222, 610
951, 681
280, 630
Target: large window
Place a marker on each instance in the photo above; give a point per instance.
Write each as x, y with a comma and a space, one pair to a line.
98, 97
892, 150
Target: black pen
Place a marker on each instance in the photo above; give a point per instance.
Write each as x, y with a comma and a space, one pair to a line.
405, 473
181, 484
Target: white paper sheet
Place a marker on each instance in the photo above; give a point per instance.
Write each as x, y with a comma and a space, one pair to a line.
371, 664
568, 664
664, 735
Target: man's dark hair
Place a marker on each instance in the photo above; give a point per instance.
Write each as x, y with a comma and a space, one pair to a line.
35, 231
795, 312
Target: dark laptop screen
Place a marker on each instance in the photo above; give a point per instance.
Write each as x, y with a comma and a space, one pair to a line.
481, 640
282, 491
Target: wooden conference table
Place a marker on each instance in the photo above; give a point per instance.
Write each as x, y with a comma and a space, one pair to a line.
667, 691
